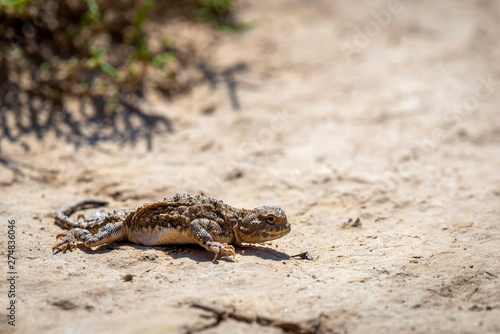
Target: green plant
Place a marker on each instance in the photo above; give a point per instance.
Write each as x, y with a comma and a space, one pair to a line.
217, 12
95, 50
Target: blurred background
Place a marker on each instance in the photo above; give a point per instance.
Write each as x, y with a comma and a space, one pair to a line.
386, 111
86, 62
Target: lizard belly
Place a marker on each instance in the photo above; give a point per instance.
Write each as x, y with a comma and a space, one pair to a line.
163, 236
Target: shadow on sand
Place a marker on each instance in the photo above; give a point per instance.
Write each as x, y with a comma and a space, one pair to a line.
195, 252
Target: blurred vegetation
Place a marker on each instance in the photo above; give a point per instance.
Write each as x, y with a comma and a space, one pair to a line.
54, 50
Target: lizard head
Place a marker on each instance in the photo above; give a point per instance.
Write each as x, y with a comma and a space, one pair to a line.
263, 224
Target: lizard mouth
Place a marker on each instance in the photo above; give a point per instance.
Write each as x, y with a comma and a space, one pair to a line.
270, 233
282, 230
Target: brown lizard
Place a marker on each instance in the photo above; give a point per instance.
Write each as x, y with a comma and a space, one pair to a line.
181, 219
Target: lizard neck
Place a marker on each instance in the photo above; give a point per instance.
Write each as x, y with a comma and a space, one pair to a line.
236, 221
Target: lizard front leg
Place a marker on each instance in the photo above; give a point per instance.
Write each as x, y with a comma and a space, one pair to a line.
108, 233
204, 231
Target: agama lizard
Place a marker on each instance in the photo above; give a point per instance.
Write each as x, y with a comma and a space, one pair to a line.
181, 219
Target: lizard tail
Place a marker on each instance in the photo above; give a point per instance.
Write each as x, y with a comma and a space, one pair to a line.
62, 216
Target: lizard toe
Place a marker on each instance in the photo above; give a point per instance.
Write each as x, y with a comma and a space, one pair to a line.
60, 235
222, 249
229, 250
67, 243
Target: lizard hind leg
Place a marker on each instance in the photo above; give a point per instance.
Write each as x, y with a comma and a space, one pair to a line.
108, 233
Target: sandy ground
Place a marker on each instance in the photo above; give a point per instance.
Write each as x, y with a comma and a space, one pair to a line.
386, 112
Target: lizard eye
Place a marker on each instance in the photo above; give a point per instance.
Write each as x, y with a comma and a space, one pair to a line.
271, 219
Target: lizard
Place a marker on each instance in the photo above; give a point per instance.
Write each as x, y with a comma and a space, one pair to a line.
181, 219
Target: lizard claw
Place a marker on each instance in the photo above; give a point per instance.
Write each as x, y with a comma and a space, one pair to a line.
222, 249
81, 216
67, 243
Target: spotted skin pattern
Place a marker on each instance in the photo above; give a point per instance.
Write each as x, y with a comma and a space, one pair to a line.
181, 219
